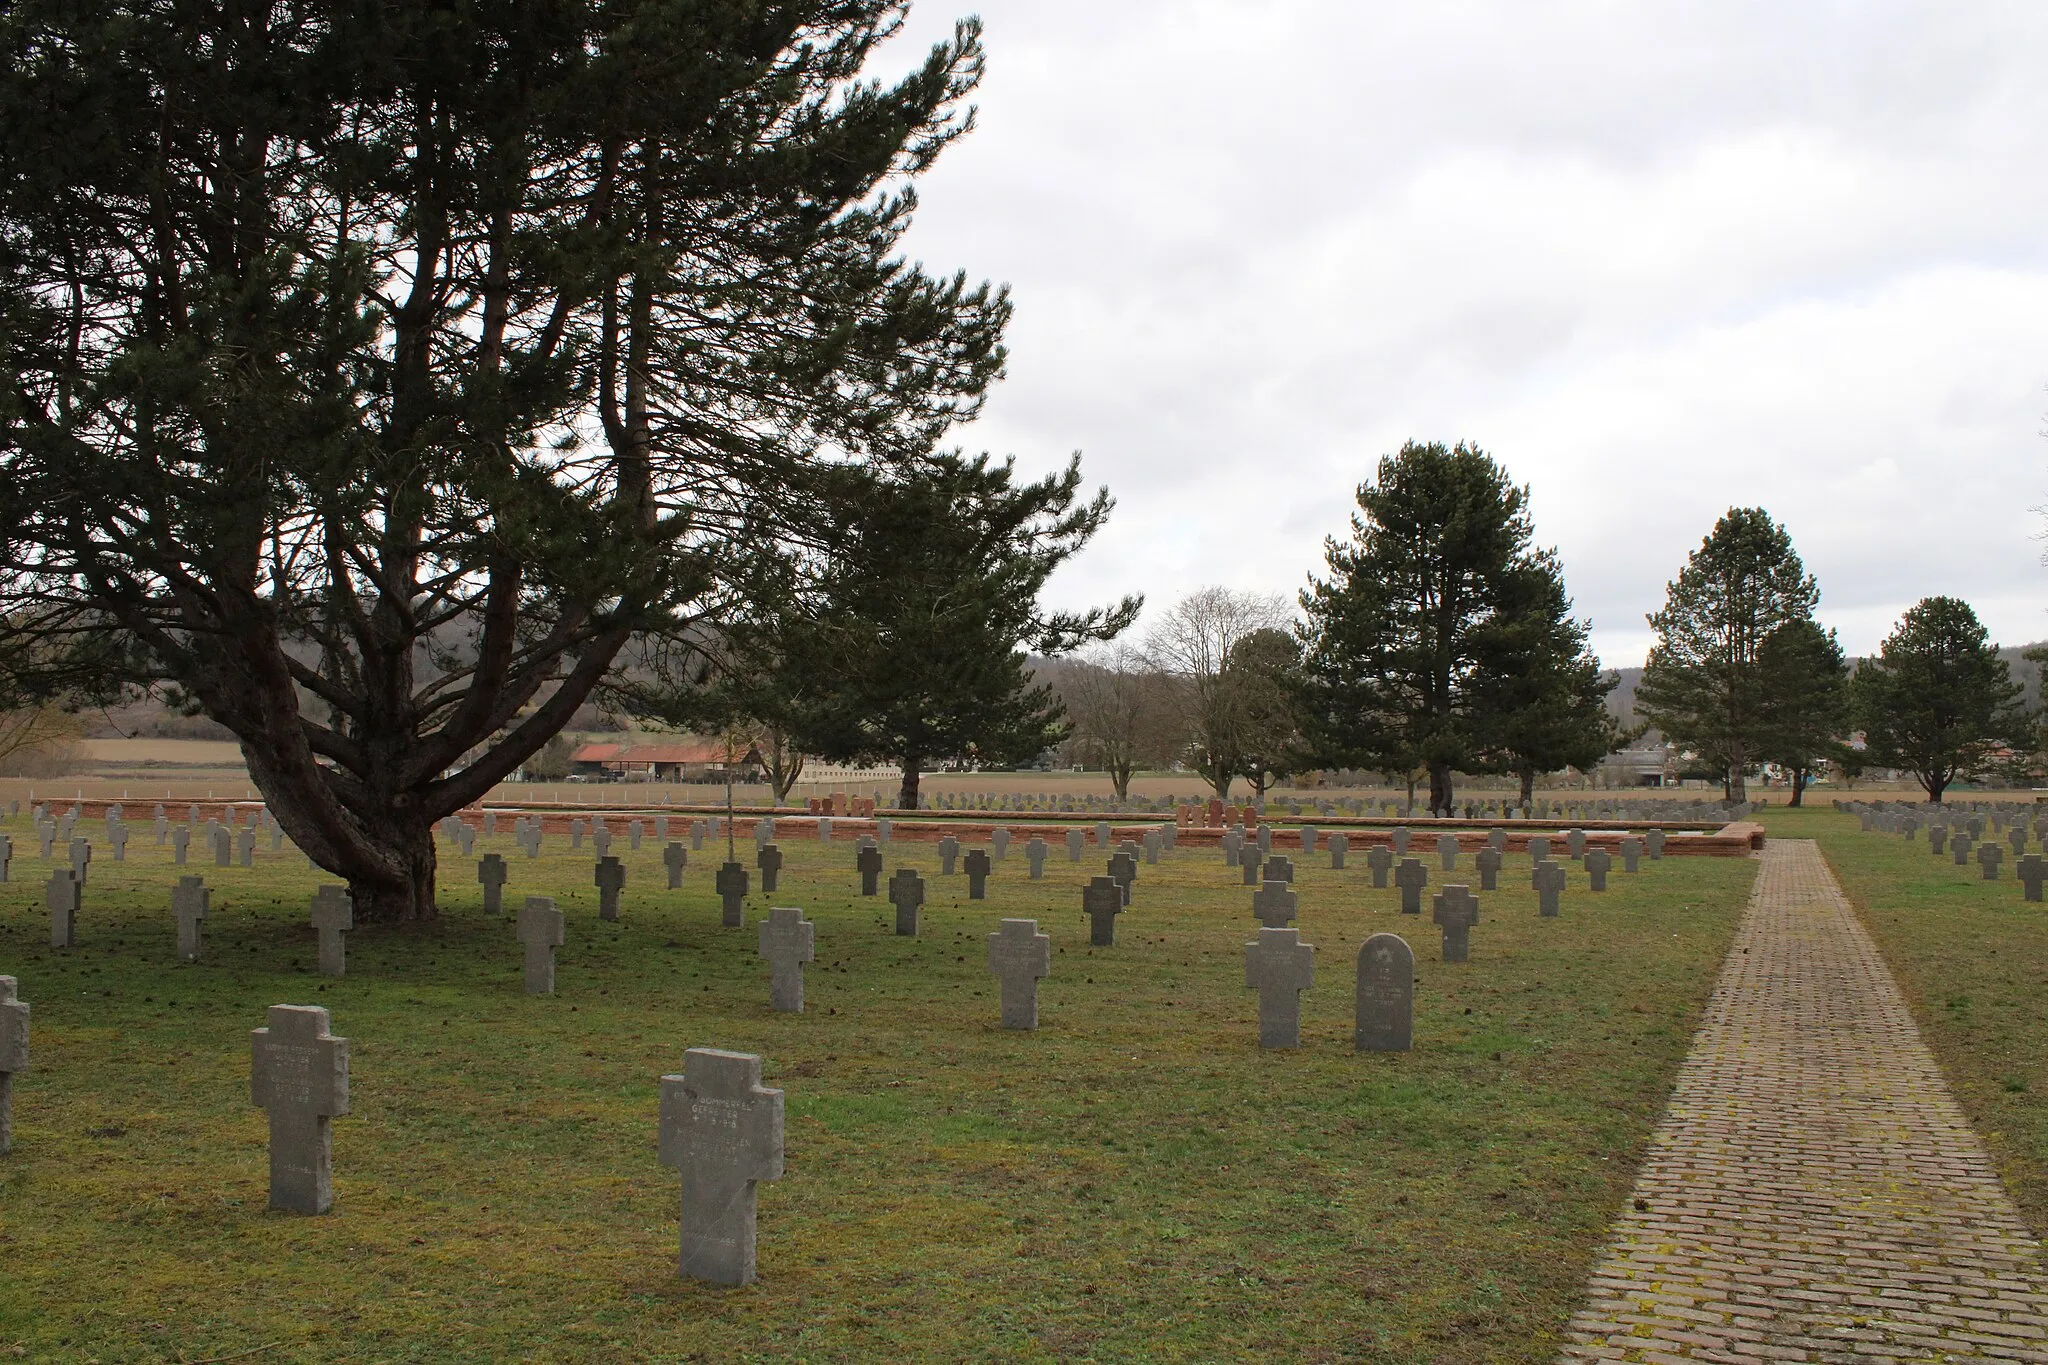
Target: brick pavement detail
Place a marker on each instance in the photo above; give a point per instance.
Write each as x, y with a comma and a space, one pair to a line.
1813, 1192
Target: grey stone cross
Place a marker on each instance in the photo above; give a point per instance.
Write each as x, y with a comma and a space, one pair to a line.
1598, 862
609, 876
61, 896
333, 916
1989, 855
1000, 842
949, 853
977, 867
1034, 853
6, 856
722, 1130
1385, 996
1232, 844
601, 841
764, 830
906, 893
1102, 834
1456, 912
868, 862
675, 857
698, 829
490, 874
1412, 876
1152, 843
731, 885
1447, 850
162, 826
1102, 900
1575, 844
1400, 838
13, 1055
1488, 861
1248, 861
1631, 853
1279, 966
299, 1074
1547, 879
1019, 956
190, 902
1654, 841
2031, 869
1380, 859
768, 858
1076, 840
576, 828
1497, 839
824, 829
1339, 845
1278, 869
1123, 870
1959, 845
788, 941
117, 835
81, 859
181, 840
1273, 904
1539, 849
633, 829
1308, 838
541, 930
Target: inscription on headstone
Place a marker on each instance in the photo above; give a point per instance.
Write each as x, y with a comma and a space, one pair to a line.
1020, 957
1385, 995
788, 941
299, 1075
722, 1130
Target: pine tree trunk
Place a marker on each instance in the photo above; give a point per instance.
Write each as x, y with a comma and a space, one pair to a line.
906, 796
1528, 786
1440, 796
1798, 786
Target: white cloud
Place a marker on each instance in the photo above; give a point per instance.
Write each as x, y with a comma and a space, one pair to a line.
1658, 259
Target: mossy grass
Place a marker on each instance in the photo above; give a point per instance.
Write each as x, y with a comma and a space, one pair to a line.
1134, 1181
1972, 957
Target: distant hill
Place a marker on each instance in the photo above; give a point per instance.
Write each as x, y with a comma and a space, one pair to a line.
1622, 700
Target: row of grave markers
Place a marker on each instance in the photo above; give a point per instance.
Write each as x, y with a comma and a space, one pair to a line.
1958, 842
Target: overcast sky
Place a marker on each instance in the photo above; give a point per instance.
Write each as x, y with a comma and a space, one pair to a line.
1657, 258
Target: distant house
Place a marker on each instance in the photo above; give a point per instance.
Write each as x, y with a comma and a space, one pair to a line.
1645, 763
679, 760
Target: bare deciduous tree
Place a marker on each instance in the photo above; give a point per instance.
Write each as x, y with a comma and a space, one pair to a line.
1193, 643
1124, 711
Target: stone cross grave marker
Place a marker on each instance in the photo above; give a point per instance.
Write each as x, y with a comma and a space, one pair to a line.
1548, 880
1249, 862
977, 867
1279, 966
1385, 999
1075, 840
1102, 900
788, 941
764, 831
609, 876
190, 903
722, 1130
1447, 850
1456, 911
769, 859
299, 1074
1265, 840
633, 832
1034, 853
698, 830
1308, 838
1975, 824
1412, 876
1380, 859
465, 838
1631, 853
541, 928
1278, 869
1575, 844
1102, 834
731, 885
490, 874
1959, 845
81, 859
1654, 842
46, 835
1339, 846
1989, 855
1152, 846
1598, 862
601, 841
490, 823
162, 827
674, 857
868, 862
1488, 861
61, 896
1400, 838
576, 830
181, 840
1019, 956
1232, 844
2017, 837
1273, 904
117, 835
2031, 869
13, 1055
530, 836
277, 838
1497, 839
883, 829
1169, 836
1000, 842
1123, 870
906, 893
949, 854
333, 916
6, 856
1539, 849
824, 829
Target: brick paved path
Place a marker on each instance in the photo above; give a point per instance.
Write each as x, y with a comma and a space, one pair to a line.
1813, 1193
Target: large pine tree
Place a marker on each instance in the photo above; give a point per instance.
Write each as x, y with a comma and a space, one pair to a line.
1704, 684
1937, 700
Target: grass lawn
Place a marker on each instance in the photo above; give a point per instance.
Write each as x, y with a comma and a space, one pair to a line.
1134, 1181
1972, 957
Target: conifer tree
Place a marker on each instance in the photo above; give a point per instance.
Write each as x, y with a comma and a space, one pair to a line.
1937, 700
1806, 700
1704, 684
